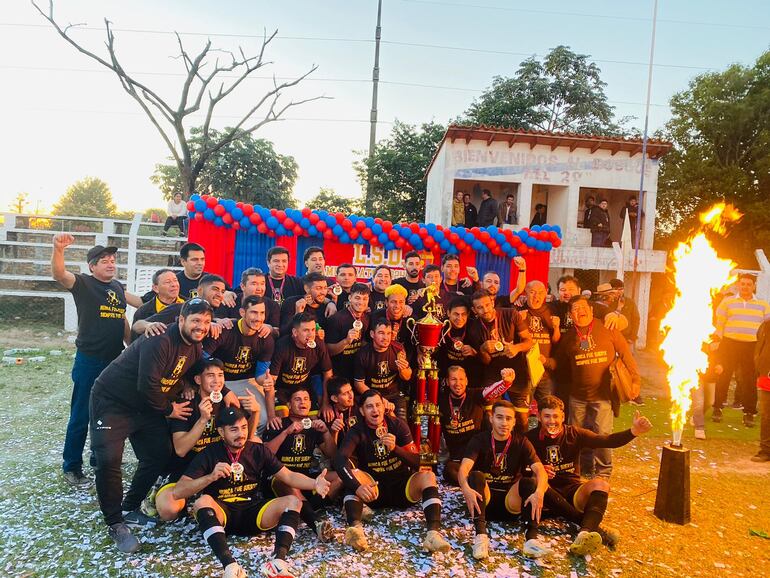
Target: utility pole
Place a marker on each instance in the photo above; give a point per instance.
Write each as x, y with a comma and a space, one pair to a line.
375, 80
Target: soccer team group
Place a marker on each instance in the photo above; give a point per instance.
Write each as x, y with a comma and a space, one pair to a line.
262, 405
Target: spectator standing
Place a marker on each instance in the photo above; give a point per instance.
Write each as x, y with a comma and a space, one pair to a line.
632, 208
589, 204
540, 215
458, 210
599, 223
471, 214
488, 209
177, 214
506, 212
762, 365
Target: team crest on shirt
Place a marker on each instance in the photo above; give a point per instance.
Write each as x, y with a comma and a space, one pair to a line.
300, 365
210, 428
384, 368
379, 305
553, 455
299, 444
380, 450
180, 362
112, 298
535, 324
193, 293
243, 354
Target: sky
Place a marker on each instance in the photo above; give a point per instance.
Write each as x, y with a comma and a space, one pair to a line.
65, 118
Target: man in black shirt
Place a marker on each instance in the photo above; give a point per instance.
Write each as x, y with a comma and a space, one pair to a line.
343, 405
340, 289
132, 398
101, 304
165, 292
471, 213
313, 301
254, 282
191, 436
462, 416
487, 209
453, 348
381, 280
490, 282
281, 286
544, 327
558, 447
346, 330
382, 447
490, 477
396, 314
228, 473
296, 357
246, 353
411, 281
193, 258
382, 365
294, 443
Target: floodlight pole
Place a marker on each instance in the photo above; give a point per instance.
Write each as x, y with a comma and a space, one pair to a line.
375, 81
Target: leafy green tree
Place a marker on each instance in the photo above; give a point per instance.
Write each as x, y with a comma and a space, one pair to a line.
562, 93
247, 169
720, 128
397, 171
329, 200
88, 197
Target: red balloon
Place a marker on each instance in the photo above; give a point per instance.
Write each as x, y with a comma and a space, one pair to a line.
360, 225
387, 226
236, 225
262, 228
367, 234
340, 217
239, 204
314, 218
556, 242
393, 235
281, 215
353, 234
248, 210
378, 220
219, 210
288, 222
227, 218
211, 202
198, 216
190, 206
415, 227
306, 212
321, 226
328, 234
400, 243
346, 224
428, 242
273, 212
297, 230
254, 218
484, 236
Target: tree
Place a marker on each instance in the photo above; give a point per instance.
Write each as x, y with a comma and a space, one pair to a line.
204, 87
19, 203
246, 169
329, 200
563, 93
720, 127
89, 197
397, 169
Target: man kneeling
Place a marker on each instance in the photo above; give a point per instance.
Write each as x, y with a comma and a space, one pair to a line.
228, 474
387, 457
491, 481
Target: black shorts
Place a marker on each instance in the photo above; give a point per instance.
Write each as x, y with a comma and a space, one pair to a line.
393, 492
244, 519
496, 507
269, 489
568, 489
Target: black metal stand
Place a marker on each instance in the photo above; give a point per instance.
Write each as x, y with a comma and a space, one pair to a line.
672, 501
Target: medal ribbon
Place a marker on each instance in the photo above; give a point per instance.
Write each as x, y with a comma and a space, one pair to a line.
583, 337
497, 459
462, 337
456, 412
234, 458
277, 293
493, 333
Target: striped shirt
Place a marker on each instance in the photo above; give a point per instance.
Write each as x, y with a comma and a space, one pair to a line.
739, 319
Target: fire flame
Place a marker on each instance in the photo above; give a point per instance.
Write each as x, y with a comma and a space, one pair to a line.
698, 274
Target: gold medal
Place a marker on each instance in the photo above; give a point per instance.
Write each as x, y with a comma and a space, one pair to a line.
307, 423
499, 346
381, 431
236, 468
458, 345
215, 396
311, 344
358, 325
337, 290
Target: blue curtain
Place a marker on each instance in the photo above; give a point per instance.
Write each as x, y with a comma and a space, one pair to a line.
302, 244
250, 251
501, 265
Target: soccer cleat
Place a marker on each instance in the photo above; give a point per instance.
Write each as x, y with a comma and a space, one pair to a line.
234, 570
355, 538
535, 548
585, 543
700, 434
716, 415
367, 514
324, 530
123, 538
434, 542
138, 519
481, 546
76, 479
760, 457
610, 536
748, 420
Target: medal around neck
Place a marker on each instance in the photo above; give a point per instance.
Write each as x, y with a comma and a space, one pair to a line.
337, 290
358, 325
311, 344
499, 346
236, 468
215, 396
307, 423
458, 345
381, 431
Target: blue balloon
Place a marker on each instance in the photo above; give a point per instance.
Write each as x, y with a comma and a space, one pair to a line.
506, 247
272, 223
548, 245
439, 236
390, 246
431, 228
200, 205
530, 242
219, 222
338, 230
415, 239
406, 232
469, 238
304, 223
557, 228
369, 222
383, 237
546, 227
535, 229
500, 238
344, 238
491, 229
208, 214
252, 230
281, 231
445, 244
228, 204
523, 236
237, 214
194, 197
477, 245
245, 223
540, 245
418, 246
331, 221
377, 229
312, 231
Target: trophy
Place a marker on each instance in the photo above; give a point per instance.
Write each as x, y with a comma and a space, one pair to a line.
427, 333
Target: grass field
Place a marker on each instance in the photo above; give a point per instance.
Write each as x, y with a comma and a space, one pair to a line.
46, 529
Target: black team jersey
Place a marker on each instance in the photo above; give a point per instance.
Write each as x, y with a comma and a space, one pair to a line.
362, 445
510, 464
281, 289
350, 417
540, 325
401, 333
210, 435
377, 301
101, 311
337, 327
289, 310
561, 310
150, 308
171, 313
188, 288
448, 355
239, 353
296, 451
507, 325
236, 490
378, 369
503, 302
148, 374
563, 450
292, 365
412, 287
461, 419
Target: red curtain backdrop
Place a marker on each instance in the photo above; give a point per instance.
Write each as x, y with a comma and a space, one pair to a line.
219, 243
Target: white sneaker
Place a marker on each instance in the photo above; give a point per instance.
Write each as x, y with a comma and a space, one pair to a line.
535, 548
700, 434
434, 542
234, 570
355, 538
585, 543
277, 568
481, 546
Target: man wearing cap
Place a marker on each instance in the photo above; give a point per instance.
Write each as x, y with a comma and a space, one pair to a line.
101, 304
132, 399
